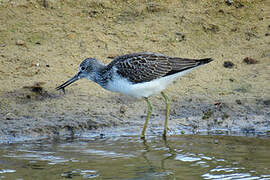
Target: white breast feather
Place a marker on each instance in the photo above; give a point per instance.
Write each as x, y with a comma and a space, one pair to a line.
146, 89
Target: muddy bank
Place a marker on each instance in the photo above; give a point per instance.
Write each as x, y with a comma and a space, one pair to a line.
41, 46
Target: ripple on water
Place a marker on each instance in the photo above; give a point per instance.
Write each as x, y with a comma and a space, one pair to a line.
107, 153
225, 173
2, 171
130, 158
187, 158
202, 164
86, 174
225, 169
230, 176
206, 158
39, 157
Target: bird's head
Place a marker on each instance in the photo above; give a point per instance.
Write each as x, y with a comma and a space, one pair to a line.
87, 69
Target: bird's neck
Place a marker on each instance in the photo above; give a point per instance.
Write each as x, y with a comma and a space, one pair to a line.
99, 73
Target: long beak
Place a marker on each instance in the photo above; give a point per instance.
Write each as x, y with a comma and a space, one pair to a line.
68, 82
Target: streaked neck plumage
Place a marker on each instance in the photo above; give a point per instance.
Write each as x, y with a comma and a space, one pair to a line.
98, 73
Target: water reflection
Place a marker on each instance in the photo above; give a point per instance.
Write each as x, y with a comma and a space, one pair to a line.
178, 157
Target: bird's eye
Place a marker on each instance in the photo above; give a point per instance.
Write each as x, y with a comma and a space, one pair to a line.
82, 68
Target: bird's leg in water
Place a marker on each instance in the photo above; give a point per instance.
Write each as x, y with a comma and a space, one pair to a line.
147, 117
167, 101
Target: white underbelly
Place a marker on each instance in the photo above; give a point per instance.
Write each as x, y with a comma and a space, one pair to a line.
145, 89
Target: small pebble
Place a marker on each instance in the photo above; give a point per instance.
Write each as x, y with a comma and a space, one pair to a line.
234, 29
181, 37
228, 64
221, 11
249, 60
229, 2
123, 109
111, 56
217, 103
10, 116
102, 136
20, 42
238, 101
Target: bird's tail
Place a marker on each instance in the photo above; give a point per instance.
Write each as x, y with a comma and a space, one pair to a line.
204, 61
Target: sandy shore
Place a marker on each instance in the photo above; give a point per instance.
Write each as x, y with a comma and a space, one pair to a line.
42, 43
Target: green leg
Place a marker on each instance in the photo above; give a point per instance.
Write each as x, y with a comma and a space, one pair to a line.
167, 101
147, 117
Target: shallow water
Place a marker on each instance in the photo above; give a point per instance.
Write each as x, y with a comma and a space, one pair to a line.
179, 157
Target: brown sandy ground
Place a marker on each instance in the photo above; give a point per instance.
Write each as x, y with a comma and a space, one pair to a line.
43, 42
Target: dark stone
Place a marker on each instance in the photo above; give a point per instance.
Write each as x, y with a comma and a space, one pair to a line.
37, 89
111, 57
266, 102
238, 101
102, 136
207, 114
234, 29
225, 116
229, 2
221, 11
182, 36
249, 60
228, 64
123, 109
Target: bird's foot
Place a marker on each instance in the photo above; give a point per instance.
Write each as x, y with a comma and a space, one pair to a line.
164, 135
165, 132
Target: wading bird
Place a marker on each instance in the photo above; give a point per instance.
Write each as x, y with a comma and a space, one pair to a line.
139, 75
